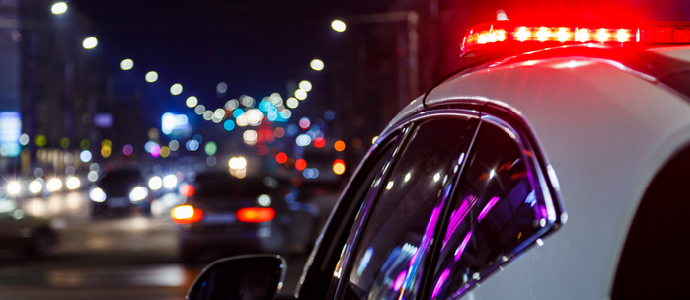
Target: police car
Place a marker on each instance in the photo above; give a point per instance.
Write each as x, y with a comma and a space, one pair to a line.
555, 166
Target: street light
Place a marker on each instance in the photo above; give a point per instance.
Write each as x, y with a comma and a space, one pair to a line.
126, 64
90, 43
59, 8
151, 76
176, 89
317, 64
338, 25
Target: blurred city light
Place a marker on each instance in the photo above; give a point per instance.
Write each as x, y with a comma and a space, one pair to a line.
173, 121
254, 116
339, 146
264, 200
13, 187
151, 76
170, 181
339, 167
317, 64
248, 101
229, 125
24, 139
90, 43
304, 123
126, 64
192, 145
138, 193
319, 142
199, 109
250, 136
165, 151
176, 89
10, 132
232, 104
97, 194
237, 163
192, 102
329, 115
303, 140
41, 140
59, 8
338, 26
221, 88
300, 164
35, 186
155, 183
501, 15
54, 185
281, 158
174, 145
242, 120
92, 176
85, 156
292, 103
305, 85
279, 132
373, 140
73, 183
207, 115
127, 149
300, 94
210, 148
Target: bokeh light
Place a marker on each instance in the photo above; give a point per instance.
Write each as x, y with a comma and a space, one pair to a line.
165, 151
127, 149
176, 89
339, 146
317, 64
126, 64
90, 43
338, 25
300, 94
210, 148
300, 164
192, 102
250, 136
229, 125
305, 85
58, 8
151, 76
221, 88
292, 103
24, 139
174, 145
281, 158
279, 132
339, 167
304, 123
319, 142
85, 156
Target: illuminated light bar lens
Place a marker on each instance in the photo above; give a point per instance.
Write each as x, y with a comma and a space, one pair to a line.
512, 33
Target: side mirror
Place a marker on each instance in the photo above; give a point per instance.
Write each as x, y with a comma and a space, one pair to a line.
247, 277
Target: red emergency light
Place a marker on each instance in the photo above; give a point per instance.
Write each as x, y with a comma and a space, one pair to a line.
549, 34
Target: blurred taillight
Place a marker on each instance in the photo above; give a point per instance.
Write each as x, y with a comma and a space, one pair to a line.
256, 214
187, 190
185, 214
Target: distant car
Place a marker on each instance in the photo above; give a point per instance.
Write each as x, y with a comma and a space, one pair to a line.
24, 233
120, 192
226, 214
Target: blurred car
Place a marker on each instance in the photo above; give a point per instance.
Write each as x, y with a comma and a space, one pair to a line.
121, 191
554, 166
23, 233
227, 214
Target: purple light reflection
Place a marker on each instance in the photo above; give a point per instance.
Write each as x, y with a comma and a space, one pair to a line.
461, 249
397, 284
457, 216
439, 283
487, 208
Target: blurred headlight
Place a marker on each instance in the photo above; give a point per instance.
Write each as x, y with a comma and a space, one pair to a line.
54, 185
155, 183
35, 186
97, 194
73, 183
13, 187
170, 181
264, 200
138, 193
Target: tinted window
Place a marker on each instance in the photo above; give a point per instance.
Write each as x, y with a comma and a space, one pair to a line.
395, 241
494, 211
321, 270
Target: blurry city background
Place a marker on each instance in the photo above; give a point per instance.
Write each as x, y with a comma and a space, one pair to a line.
284, 91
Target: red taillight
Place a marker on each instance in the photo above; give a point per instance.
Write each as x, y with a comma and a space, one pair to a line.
187, 190
509, 33
256, 214
185, 214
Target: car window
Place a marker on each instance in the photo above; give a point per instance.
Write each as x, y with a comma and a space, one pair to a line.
320, 270
394, 244
495, 210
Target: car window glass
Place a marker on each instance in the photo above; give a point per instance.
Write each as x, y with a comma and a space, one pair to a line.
394, 243
494, 211
321, 270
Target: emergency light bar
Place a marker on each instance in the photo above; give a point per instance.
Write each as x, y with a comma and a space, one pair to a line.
513, 33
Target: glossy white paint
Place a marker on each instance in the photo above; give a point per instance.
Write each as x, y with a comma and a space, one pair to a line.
606, 132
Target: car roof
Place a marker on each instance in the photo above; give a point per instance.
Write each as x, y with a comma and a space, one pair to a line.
604, 128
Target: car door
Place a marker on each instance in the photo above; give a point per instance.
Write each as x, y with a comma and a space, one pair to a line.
390, 241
